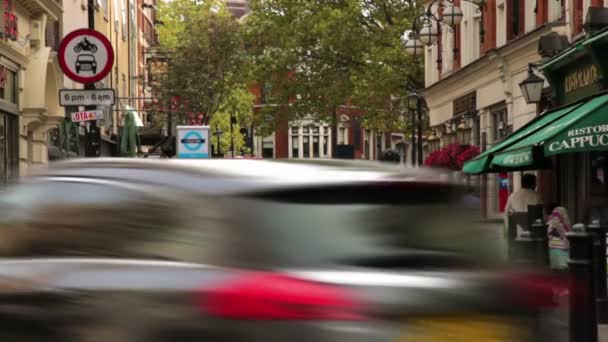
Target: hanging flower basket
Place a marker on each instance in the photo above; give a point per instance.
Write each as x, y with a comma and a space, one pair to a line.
452, 157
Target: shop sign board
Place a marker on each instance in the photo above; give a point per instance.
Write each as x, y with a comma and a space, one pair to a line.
580, 139
87, 97
88, 115
577, 79
193, 142
86, 56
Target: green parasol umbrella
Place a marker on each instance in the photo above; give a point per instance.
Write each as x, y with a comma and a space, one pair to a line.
129, 139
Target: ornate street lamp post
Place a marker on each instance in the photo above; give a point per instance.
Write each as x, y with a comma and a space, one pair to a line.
532, 87
426, 27
219, 133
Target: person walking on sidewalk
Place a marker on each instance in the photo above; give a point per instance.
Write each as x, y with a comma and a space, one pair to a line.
520, 200
558, 225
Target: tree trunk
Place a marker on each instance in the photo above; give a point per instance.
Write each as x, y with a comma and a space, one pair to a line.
334, 132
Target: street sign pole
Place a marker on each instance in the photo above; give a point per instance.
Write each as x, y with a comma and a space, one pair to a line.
86, 56
93, 135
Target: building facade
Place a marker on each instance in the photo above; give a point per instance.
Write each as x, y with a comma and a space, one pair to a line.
473, 74
29, 83
130, 25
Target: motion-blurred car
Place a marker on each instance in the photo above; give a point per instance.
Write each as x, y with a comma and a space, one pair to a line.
245, 250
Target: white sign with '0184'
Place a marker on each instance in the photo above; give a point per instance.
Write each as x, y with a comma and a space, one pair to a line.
89, 115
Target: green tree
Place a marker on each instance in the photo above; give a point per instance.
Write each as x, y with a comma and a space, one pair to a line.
206, 55
238, 103
317, 55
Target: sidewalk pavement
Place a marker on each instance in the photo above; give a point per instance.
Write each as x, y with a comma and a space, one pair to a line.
556, 324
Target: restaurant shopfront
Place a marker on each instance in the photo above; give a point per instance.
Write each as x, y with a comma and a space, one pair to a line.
569, 141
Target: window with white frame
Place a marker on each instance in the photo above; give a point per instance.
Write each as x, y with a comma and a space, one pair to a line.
326, 142
555, 10
309, 141
341, 135
306, 146
295, 142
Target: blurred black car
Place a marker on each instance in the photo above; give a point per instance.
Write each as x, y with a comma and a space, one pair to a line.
244, 250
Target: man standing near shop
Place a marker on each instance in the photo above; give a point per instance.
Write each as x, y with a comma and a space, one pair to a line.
520, 200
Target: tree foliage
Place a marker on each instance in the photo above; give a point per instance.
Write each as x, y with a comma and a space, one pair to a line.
206, 55
317, 55
238, 103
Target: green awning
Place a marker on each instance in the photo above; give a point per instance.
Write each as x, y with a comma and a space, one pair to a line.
589, 133
480, 164
523, 155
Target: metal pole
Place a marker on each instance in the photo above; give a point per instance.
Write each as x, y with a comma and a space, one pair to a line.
419, 112
232, 121
217, 131
599, 262
93, 136
413, 138
583, 314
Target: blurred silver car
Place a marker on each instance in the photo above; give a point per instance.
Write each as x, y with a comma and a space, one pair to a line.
247, 250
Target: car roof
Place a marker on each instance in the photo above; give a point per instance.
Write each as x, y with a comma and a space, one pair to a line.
238, 175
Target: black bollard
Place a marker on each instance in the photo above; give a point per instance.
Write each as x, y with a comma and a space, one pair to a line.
583, 313
516, 248
533, 246
539, 234
599, 263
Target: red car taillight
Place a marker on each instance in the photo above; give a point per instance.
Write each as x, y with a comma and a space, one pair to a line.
536, 290
270, 296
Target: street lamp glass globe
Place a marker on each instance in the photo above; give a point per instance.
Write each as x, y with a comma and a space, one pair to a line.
452, 15
428, 34
532, 88
413, 47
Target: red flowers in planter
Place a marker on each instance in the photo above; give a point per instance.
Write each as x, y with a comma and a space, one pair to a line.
452, 156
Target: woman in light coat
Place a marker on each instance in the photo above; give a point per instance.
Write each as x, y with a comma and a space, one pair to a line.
558, 225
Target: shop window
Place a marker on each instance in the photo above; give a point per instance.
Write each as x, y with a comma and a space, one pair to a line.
367, 152
326, 145
9, 148
8, 84
378, 144
315, 146
295, 146
267, 149
599, 173
341, 135
306, 147
3, 145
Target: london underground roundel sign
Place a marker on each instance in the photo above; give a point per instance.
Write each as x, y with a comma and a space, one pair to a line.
86, 56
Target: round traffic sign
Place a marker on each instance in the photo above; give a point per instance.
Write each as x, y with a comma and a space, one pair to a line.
86, 56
